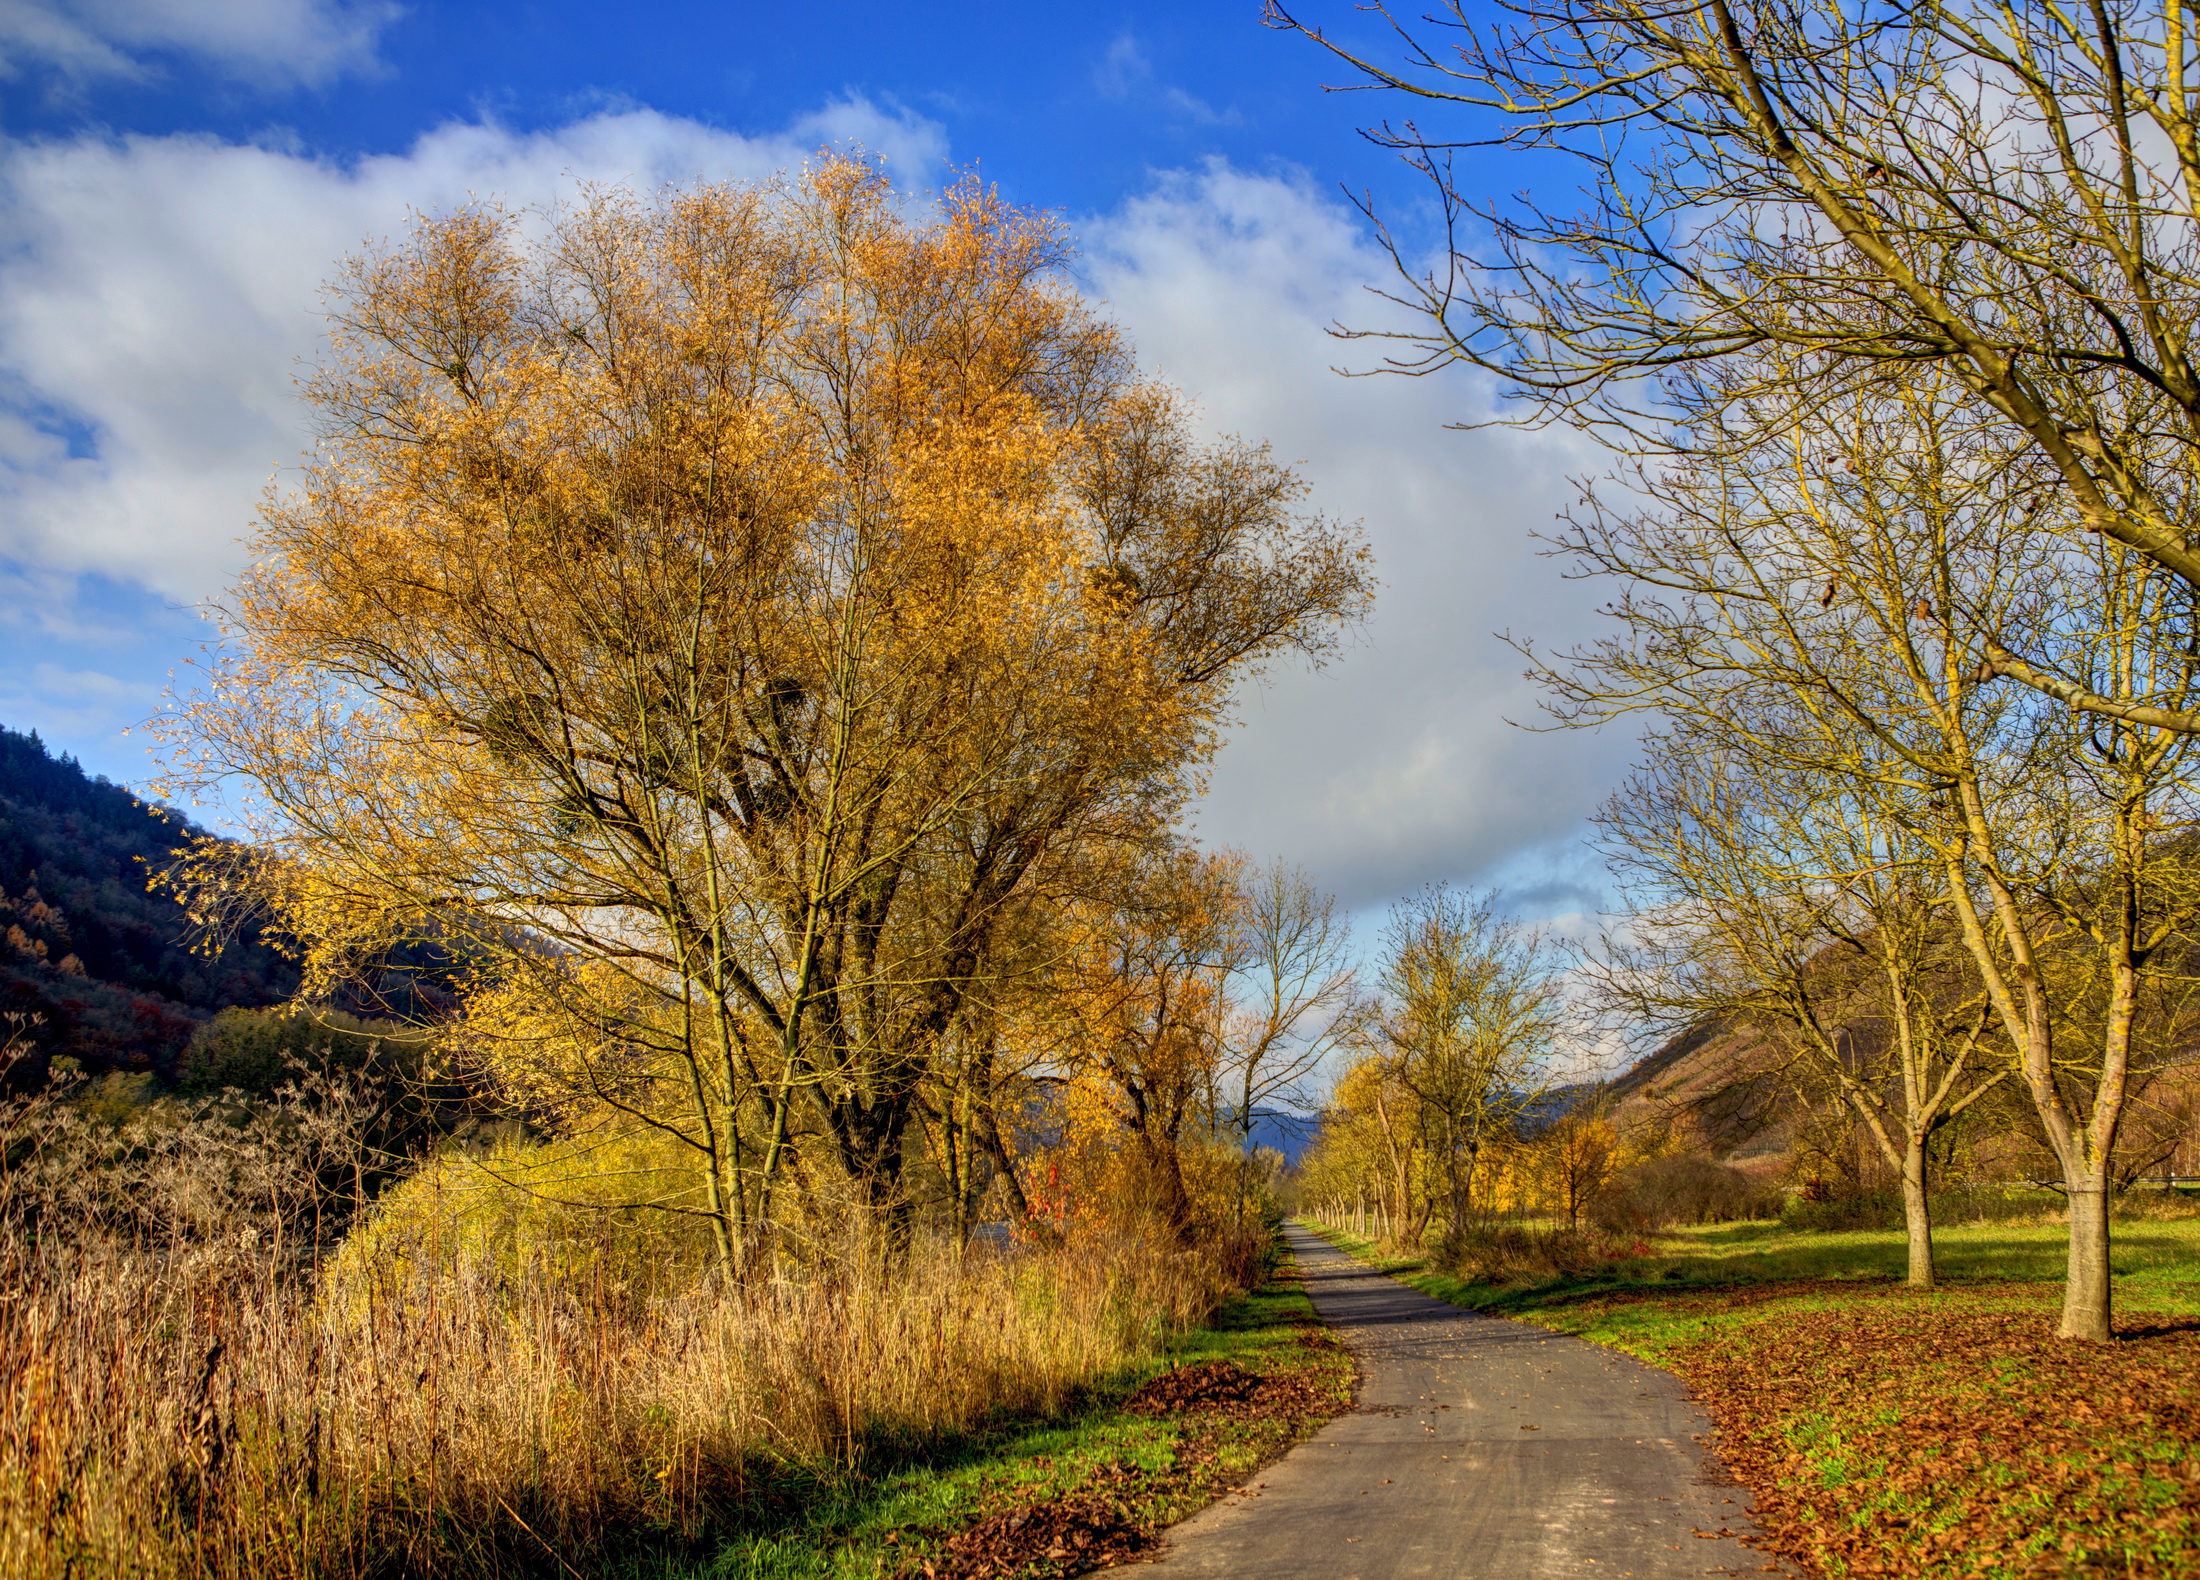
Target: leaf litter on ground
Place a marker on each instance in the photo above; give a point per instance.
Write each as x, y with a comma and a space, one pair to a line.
1951, 1433
1230, 1419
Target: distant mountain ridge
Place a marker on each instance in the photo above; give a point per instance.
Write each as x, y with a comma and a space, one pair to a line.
103, 963
1731, 1092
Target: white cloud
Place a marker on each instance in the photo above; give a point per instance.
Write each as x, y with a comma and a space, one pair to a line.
1395, 765
1124, 72
74, 704
1123, 65
156, 295
269, 42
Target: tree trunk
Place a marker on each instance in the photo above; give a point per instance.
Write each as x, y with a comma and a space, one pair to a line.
892, 1213
1166, 1170
2085, 1313
988, 1131
1461, 1181
1917, 1214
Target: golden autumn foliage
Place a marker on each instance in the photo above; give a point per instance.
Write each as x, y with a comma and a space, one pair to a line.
1191, 997
1380, 1158
1448, 1113
1142, 1005
719, 619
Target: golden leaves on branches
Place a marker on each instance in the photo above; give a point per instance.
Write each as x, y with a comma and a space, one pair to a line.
758, 593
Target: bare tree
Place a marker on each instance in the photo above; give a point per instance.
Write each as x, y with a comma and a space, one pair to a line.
1804, 905
2007, 193
1472, 1022
1294, 995
1847, 581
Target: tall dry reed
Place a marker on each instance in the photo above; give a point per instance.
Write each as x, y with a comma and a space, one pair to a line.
203, 1404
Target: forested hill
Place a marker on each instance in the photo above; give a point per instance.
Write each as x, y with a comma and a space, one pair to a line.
84, 945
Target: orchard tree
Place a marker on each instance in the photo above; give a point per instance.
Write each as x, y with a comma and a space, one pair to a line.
1825, 601
1803, 904
1577, 1156
1371, 1143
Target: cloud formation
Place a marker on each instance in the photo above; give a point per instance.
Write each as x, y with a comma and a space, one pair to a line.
1124, 72
1395, 765
271, 43
158, 294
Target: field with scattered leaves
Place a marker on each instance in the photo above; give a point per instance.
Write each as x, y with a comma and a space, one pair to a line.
1886, 1432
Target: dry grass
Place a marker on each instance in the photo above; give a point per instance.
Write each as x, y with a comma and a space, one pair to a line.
191, 1402
1512, 1254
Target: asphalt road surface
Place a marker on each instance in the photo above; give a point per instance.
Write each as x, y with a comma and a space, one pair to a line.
1481, 1449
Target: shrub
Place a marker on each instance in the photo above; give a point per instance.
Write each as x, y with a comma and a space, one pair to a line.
1980, 1204
2150, 1203
1661, 1192
1830, 1214
93, 1164
258, 1050
480, 1374
560, 1212
1524, 1254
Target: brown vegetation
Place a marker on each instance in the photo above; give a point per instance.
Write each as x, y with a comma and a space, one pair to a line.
1078, 1531
757, 639
740, 624
187, 1388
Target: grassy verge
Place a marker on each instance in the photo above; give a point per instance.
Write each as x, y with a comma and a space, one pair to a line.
1891, 1433
1045, 1498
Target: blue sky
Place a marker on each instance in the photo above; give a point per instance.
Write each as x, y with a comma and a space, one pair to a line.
176, 176
1068, 107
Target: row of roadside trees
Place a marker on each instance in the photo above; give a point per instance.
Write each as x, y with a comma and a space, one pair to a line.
1887, 313
767, 639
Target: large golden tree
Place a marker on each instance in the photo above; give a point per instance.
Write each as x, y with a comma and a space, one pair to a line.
715, 616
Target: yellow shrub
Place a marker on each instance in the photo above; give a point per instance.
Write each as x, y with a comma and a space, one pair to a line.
572, 1212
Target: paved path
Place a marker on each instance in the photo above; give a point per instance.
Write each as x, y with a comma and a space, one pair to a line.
1481, 1449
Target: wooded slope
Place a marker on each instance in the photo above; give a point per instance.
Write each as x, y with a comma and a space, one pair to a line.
103, 963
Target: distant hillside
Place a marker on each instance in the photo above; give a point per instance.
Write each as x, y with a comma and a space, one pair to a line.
1719, 1087
1724, 1091
84, 946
